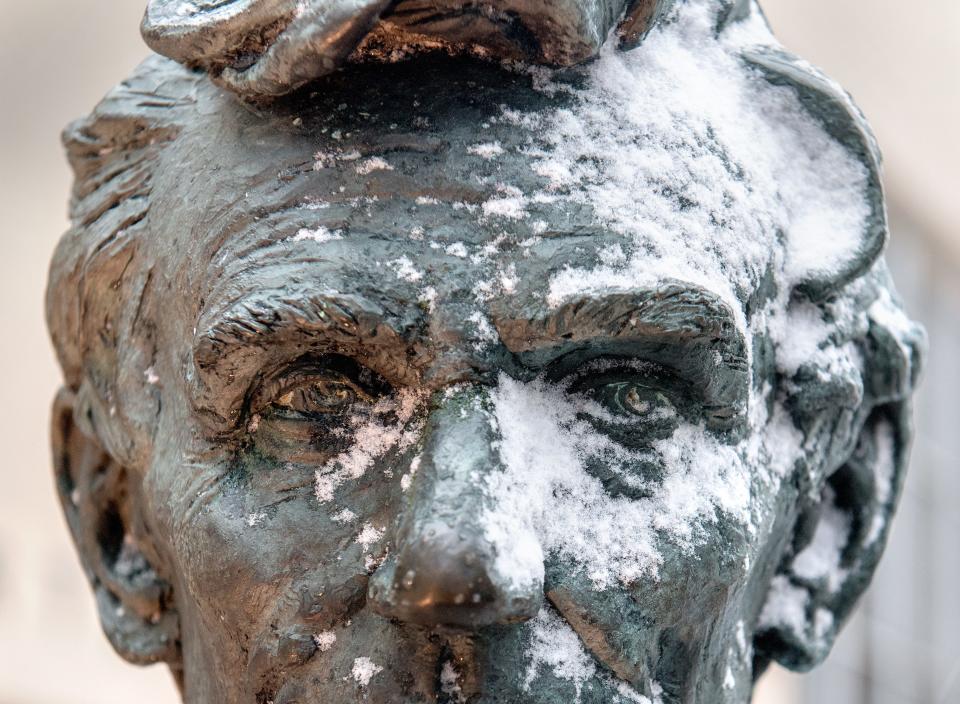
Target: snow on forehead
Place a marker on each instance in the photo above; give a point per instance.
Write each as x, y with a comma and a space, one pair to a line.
709, 173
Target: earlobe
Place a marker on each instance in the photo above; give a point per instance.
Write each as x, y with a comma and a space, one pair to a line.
837, 544
135, 604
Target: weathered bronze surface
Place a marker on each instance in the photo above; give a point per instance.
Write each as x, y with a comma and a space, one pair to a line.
335, 429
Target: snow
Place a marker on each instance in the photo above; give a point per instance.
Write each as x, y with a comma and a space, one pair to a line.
486, 150
484, 330
373, 436
369, 535
344, 516
702, 166
741, 637
364, 670
820, 560
405, 269
372, 164
324, 641
450, 683
407, 479
428, 296
318, 234
456, 249
886, 313
785, 607
729, 681
509, 207
885, 449
255, 519
544, 488
553, 644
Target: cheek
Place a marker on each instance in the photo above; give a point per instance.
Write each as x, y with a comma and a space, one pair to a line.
255, 545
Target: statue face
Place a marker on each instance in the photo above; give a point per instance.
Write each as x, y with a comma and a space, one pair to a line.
415, 500
400, 456
441, 384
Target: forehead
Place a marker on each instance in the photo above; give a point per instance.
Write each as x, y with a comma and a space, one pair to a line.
420, 180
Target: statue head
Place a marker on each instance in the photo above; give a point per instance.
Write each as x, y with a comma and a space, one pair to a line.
443, 381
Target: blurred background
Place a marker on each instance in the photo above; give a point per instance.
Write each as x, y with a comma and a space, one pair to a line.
900, 60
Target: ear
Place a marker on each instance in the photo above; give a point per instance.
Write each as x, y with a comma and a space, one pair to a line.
837, 543
836, 112
99, 499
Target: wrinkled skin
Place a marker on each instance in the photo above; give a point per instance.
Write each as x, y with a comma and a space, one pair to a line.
234, 344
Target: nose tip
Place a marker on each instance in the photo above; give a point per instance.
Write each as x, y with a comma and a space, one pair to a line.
446, 578
450, 568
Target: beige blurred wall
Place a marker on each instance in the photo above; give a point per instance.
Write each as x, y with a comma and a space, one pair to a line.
901, 62
58, 58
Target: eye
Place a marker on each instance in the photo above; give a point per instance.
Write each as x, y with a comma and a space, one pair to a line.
313, 408
632, 399
632, 404
316, 398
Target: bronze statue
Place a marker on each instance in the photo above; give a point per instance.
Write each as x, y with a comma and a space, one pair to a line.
440, 352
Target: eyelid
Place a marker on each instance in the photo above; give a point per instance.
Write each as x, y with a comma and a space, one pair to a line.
658, 376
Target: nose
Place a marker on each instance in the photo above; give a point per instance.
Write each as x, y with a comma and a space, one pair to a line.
453, 566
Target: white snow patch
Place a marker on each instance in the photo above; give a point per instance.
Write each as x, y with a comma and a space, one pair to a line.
820, 560
373, 436
545, 489
407, 479
344, 516
509, 207
324, 641
450, 683
884, 470
729, 681
376, 163
364, 670
553, 644
405, 269
318, 234
428, 296
711, 172
369, 535
785, 607
486, 150
485, 332
456, 249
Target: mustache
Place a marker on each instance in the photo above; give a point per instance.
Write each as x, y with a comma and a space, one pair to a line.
325, 642
316, 634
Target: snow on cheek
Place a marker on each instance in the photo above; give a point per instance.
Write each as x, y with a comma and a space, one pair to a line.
546, 492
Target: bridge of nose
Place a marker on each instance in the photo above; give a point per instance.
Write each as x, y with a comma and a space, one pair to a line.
444, 571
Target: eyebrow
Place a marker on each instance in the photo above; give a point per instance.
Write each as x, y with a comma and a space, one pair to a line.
236, 343
681, 327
